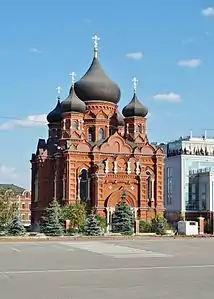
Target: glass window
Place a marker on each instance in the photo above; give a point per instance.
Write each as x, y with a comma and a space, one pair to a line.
193, 198
74, 125
101, 134
169, 185
91, 133
203, 196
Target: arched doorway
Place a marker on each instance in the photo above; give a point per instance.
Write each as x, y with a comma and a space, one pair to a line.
112, 201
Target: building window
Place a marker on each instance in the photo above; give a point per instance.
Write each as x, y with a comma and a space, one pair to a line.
23, 206
138, 129
83, 185
193, 202
74, 125
67, 124
29, 206
101, 134
169, 185
91, 134
203, 196
27, 195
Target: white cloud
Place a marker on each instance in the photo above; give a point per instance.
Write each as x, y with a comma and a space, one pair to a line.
135, 55
167, 97
208, 12
35, 50
28, 122
191, 63
7, 174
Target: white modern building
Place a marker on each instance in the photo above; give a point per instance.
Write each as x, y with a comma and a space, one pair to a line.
189, 177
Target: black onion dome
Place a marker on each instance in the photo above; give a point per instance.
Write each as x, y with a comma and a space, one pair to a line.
96, 86
120, 119
135, 108
72, 103
55, 116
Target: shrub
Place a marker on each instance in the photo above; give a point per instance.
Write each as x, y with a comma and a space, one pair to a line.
159, 225
102, 222
16, 228
208, 226
76, 213
122, 221
145, 226
51, 220
92, 227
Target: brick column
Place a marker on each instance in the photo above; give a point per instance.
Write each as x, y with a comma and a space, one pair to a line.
201, 225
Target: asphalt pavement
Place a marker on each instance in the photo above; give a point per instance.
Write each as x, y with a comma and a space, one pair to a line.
130, 269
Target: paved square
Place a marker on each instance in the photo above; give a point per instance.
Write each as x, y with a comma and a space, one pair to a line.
136, 269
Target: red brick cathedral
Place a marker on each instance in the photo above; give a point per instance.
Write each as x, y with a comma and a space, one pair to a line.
96, 155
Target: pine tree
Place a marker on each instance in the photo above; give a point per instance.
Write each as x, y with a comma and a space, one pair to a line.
122, 221
92, 228
51, 220
16, 228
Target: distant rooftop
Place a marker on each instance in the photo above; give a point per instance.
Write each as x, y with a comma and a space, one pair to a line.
16, 189
190, 137
191, 145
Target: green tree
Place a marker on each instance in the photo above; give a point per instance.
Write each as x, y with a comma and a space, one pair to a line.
76, 213
159, 225
102, 222
145, 226
16, 228
8, 209
51, 220
122, 221
92, 228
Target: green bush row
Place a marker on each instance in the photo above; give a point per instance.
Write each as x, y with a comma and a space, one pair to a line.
157, 225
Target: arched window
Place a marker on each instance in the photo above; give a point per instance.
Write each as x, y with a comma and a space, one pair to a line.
67, 124
74, 125
101, 134
91, 133
27, 194
138, 129
83, 185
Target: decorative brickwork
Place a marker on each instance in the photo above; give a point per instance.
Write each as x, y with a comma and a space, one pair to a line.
95, 156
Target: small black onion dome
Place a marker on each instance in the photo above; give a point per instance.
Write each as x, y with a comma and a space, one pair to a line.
72, 103
135, 108
55, 116
96, 86
120, 119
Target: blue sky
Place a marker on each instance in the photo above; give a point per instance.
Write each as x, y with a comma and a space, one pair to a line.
168, 45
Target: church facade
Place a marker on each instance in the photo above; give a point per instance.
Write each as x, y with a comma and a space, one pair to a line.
95, 154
